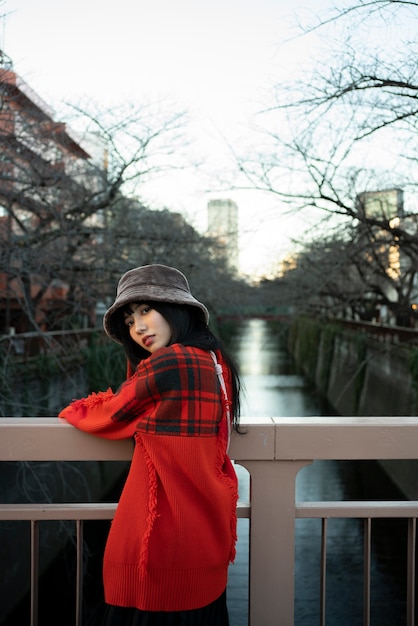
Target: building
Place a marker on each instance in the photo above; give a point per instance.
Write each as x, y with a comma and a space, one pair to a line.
43, 167
223, 225
383, 204
390, 231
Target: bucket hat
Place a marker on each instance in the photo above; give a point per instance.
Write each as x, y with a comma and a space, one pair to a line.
158, 283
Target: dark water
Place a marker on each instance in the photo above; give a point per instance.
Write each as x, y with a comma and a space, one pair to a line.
275, 389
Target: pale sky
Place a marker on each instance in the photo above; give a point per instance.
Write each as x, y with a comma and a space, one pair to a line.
218, 59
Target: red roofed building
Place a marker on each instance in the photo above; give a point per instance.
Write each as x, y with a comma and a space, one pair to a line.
42, 167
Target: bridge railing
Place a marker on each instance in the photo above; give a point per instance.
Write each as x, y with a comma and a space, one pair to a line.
273, 450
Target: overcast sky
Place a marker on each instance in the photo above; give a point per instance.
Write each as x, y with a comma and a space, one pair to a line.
216, 58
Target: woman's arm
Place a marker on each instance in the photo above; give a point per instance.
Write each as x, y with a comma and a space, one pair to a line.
95, 414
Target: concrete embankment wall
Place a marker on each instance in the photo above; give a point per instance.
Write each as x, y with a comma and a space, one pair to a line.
361, 375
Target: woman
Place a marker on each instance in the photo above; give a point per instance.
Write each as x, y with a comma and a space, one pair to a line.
174, 531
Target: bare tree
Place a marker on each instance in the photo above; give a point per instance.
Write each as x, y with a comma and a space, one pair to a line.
355, 273
56, 195
347, 128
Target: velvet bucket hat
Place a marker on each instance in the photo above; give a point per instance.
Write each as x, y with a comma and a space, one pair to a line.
148, 283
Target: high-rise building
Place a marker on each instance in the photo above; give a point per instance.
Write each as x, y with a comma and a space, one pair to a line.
223, 225
383, 204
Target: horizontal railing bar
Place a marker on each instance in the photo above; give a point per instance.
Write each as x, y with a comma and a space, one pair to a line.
359, 509
346, 438
54, 439
271, 438
303, 510
324, 509
74, 511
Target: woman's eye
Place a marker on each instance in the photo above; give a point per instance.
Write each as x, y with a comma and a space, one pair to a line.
129, 322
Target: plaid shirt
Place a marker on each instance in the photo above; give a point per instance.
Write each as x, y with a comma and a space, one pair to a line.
173, 392
176, 393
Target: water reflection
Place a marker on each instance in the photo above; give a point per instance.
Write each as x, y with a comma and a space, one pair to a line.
272, 388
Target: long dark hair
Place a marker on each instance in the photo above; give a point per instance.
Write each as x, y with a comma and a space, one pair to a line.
188, 328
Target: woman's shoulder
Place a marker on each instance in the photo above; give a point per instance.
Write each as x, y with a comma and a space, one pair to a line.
177, 367
174, 356
178, 350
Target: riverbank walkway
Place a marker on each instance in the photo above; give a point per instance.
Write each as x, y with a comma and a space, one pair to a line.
273, 450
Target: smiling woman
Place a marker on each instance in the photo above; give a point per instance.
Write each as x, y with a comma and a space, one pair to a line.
174, 532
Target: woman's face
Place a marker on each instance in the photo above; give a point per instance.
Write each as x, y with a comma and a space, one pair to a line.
148, 328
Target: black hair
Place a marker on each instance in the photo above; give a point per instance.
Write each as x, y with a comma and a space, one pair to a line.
189, 328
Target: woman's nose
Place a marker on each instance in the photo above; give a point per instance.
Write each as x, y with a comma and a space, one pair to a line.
140, 325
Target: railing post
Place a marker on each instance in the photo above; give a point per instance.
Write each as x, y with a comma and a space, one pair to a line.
272, 541
34, 572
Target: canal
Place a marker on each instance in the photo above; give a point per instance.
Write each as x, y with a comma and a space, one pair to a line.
274, 388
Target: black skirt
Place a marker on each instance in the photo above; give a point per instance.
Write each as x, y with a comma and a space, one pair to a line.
214, 614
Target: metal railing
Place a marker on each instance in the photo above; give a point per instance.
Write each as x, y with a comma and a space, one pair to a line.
273, 450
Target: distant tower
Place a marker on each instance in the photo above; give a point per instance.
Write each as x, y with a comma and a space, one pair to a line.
223, 224
384, 204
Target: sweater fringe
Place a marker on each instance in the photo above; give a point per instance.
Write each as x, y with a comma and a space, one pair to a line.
152, 509
93, 399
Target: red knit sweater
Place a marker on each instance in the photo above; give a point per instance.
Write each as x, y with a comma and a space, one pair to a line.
174, 530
